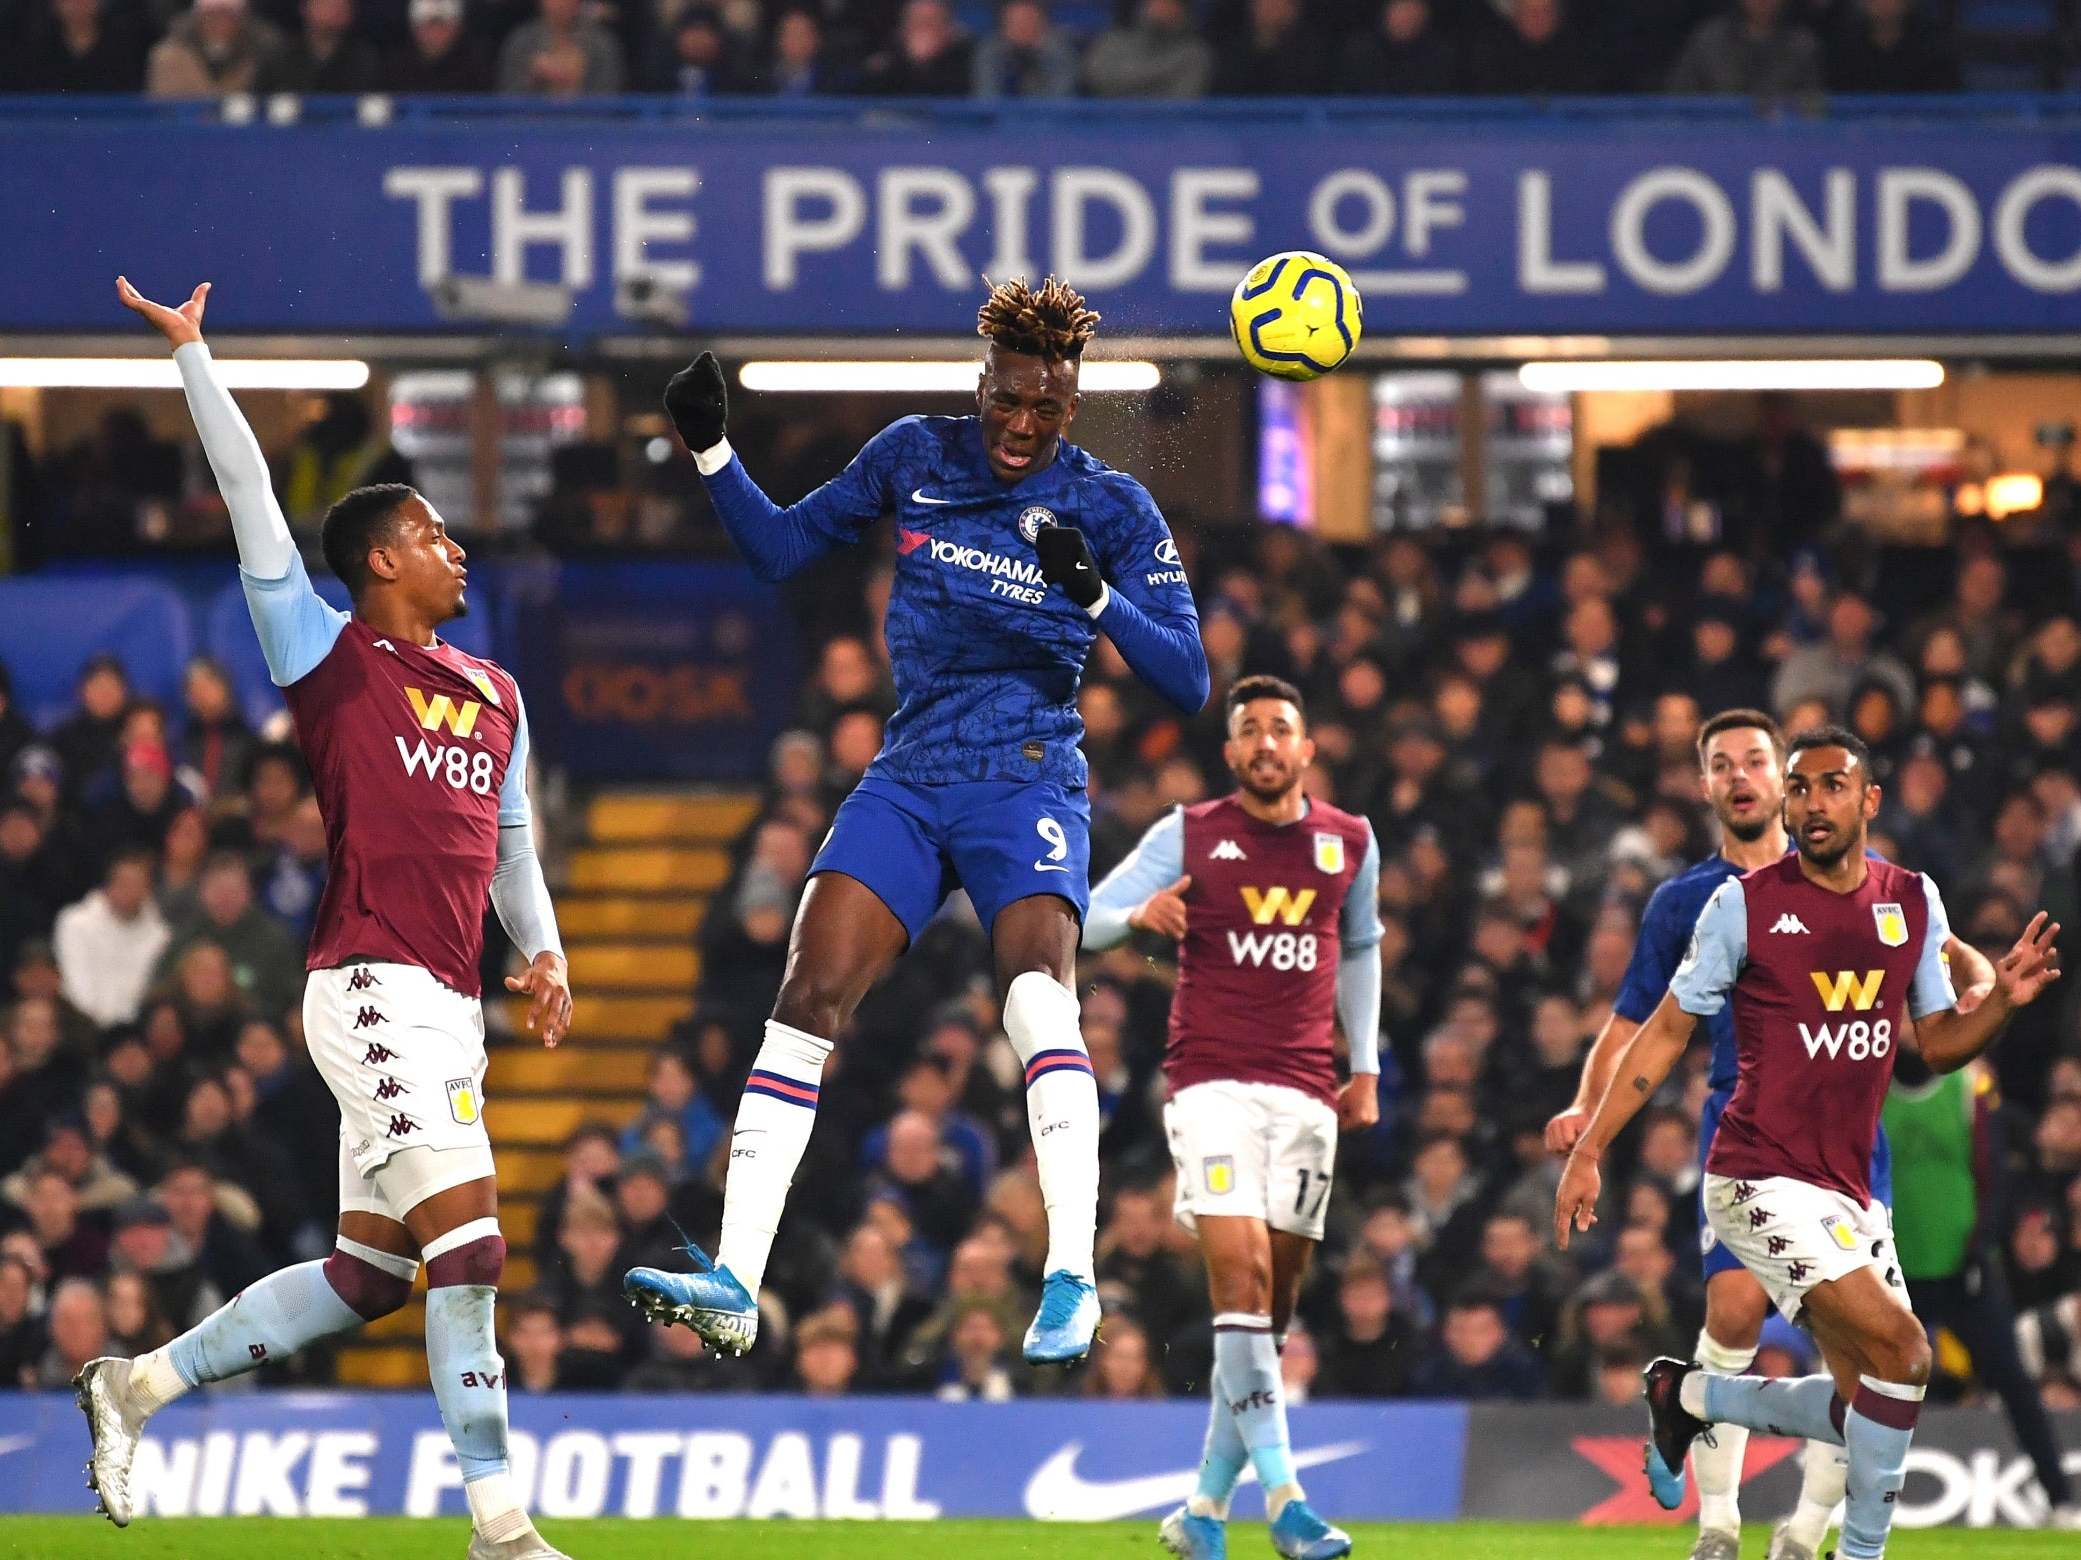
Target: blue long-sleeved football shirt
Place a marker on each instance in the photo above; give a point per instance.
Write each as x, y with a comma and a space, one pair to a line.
987, 656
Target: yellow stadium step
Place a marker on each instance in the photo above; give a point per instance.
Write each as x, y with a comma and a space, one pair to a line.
573, 1068
667, 967
518, 1218
529, 1172
393, 1365
400, 1326
648, 1019
669, 815
543, 1122
690, 869
662, 916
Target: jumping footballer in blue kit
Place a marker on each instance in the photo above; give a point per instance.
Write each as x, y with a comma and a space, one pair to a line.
1014, 551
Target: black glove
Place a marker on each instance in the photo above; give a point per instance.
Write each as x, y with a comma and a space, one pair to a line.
698, 403
1065, 560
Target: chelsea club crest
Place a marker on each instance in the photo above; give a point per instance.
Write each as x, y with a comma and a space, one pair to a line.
1031, 521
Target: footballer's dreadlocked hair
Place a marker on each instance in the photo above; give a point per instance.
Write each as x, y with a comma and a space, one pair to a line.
1051, 324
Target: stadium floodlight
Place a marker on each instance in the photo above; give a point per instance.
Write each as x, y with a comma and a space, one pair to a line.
1736, 374
162, 373
923, 377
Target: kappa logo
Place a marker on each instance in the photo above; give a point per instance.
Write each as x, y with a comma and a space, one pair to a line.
1743, 1191
1777, 1245
1790, 923
1796, 1272
389, 1089
362, 979
440, 710
1758, 1217
258, 1351
402, 1125
377, 1055
369, 1017
1227, 850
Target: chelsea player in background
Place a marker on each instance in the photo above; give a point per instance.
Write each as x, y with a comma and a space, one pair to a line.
1014, 550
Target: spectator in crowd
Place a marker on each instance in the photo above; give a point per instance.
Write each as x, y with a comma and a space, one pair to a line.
264, 958
1025, 57
216, 1222
217, 48
886, 1307
328, 57
592, 1156
798, 64
1372, 1348
20, 1331
1538, 53
1832, 668
697, 58
87, 741
1406, 54
440, 55
560, 54
827, 1356
1139, 1261
145, 804
1753, 50
1480, 1359
533, 1341
675, 1094
15, 731
67, 1245
109, 944
74, 46
1889, 46
1121, 1369
975, 1365
97, 1185
216, 743
78, 1333
929, 57
1158, 55
1278, 55
914, 1167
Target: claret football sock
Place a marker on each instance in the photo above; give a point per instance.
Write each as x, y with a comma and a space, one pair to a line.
272, 1319
1040, 1016
774, 1118
1716, 1461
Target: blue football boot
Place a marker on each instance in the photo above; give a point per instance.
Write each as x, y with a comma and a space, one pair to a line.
1194, 1538
1062, 1330
1299, 1534
709, 1301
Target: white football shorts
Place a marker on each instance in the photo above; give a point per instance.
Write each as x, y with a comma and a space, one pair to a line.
1252, 1151
1793, 1235
404, 1058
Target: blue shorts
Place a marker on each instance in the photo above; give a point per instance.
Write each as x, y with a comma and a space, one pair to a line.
1717, 1258
1002, 840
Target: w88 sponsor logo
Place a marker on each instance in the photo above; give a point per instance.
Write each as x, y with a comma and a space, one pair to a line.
463, 768
1282, 950
1859, 1040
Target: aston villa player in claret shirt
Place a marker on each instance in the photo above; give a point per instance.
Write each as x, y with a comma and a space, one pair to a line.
418, 754
1272, 900
1829, 958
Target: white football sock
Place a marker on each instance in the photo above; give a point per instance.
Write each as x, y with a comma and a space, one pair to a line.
1040, 1016
1825, 1475
1717, 1467
774, 1118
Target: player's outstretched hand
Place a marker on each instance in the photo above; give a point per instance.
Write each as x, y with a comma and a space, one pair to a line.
1163, 912
1564, 1128
2032, 965
698, 403
548, 981
179, 326
1575, 1204
1065, 560
1358, 1102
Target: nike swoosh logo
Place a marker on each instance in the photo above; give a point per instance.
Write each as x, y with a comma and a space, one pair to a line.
15, 1443
1083, 568
918, 497
1058, 1492
1042, 866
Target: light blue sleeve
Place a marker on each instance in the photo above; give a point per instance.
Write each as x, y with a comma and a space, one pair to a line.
513, 801
1930, 991
1359, 926
1158, 860
297, 626
1358, 1004
1719, 948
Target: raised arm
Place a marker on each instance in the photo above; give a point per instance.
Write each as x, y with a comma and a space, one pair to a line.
296, 626
776, 542
520, 895
1146, 889
1947, 1033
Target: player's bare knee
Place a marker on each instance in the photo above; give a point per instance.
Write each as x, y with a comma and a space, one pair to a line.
371, 1292
1904, 1354
1734, 1315
1244, 1284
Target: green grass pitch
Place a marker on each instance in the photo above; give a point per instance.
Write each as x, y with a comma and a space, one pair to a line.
263, 1538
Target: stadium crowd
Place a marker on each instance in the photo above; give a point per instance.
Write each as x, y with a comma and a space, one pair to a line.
1770, 49
1515, 718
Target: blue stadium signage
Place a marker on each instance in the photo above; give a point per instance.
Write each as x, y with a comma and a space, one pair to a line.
765, 226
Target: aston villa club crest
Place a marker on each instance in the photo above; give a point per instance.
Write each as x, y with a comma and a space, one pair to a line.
462, 1100
1329, 853
1892, 923
1220, 1173
482, 682
1031, 520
